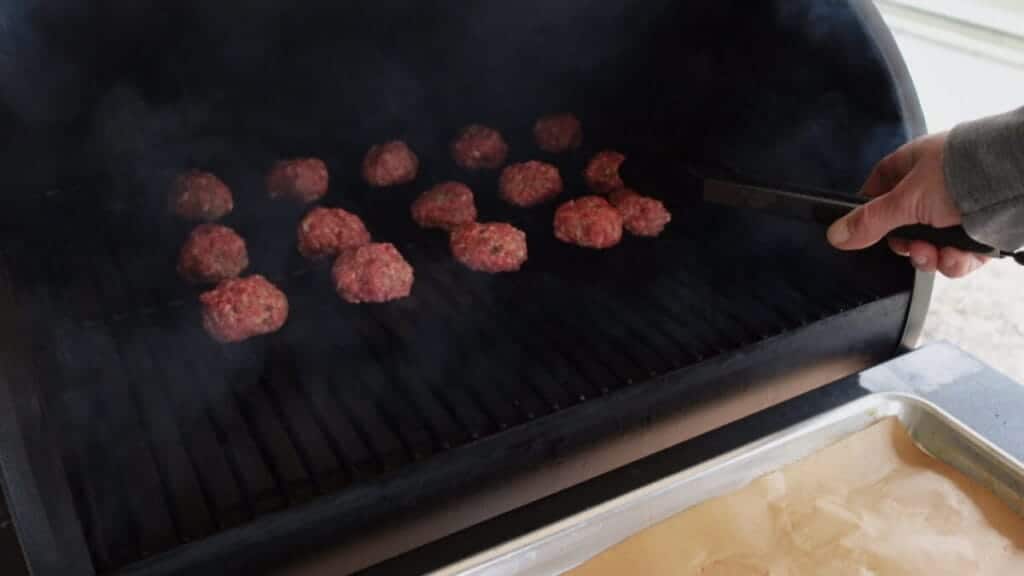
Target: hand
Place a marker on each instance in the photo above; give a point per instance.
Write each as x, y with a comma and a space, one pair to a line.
908, 187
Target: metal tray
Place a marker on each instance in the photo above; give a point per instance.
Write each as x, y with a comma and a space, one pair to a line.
571, 542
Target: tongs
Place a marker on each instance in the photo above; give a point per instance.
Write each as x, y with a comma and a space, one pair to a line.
825, 207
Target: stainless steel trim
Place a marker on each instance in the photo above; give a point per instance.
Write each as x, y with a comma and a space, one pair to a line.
874, 24
566, 544
920, 302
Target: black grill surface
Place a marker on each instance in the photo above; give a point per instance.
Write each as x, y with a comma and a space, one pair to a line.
166, 437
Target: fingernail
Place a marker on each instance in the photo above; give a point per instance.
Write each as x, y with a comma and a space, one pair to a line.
976, 263
920, 261
839, 233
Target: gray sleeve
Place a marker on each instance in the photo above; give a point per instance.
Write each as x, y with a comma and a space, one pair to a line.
984, 165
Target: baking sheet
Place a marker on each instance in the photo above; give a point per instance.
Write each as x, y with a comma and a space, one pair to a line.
571, 542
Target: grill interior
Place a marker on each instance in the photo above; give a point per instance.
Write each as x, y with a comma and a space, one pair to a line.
166, 436
163, 437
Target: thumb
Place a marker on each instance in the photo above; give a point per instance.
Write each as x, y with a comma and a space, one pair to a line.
867, 224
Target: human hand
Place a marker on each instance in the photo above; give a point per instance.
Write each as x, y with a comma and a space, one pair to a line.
908, 187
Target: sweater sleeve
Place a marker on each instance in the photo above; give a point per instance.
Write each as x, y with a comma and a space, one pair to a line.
984, 165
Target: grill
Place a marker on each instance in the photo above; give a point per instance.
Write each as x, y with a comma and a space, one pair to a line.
154, 448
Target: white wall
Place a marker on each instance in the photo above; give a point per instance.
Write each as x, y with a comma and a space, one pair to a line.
962, 70
955, 86
1000, 15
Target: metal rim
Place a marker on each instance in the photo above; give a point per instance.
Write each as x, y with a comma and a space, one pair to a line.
916, 126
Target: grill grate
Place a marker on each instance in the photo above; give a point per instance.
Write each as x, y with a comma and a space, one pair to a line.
167, 438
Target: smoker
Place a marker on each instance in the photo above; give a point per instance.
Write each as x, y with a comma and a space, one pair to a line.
133, 443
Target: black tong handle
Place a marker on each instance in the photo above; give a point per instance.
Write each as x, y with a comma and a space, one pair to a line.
954, 237
825, 207
831, 207
951, 237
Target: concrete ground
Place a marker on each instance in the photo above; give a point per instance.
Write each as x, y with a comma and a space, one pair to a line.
983, 314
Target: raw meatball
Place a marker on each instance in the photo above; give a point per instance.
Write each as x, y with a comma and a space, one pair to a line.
478, 147
490, 248
241, 308
530, 183
327, 231
590, 222
445, 206
211, 254
390, 164
641, 215
602, 172
558, 133
300, 179
201, 196
372, 273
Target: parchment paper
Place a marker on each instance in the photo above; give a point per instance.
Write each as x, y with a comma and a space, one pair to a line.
871, 504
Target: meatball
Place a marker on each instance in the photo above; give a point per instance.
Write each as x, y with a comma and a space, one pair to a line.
558, 133
641, 215
301, 179
602, 172
201, 196
241, 308
590, 222
495, 247
327, 231
372, 273
445, 206
390, 164
478, 147
530, 183
211, 254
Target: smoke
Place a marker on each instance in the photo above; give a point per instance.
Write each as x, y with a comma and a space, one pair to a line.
817, 21
140, 146
818, 106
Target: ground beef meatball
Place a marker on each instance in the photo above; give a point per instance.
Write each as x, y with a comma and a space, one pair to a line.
479, 148
590, 222
372, 273
301, 179
241, 308
200, 196
445, 206
211, 254
327, 231
390, 164
641, 215
558, 133
530, 183
602, 172
495, 247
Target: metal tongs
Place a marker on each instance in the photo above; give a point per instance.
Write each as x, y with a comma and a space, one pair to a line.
825, 207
